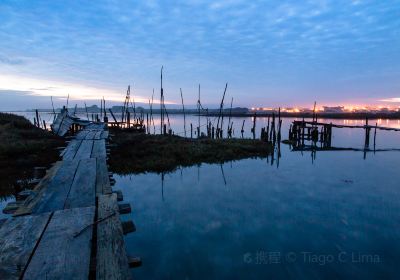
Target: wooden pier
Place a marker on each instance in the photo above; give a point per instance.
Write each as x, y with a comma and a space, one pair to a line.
69, 226
320, 132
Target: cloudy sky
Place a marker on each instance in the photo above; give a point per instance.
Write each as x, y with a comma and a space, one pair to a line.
271, 53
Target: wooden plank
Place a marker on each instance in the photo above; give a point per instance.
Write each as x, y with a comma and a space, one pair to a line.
98, 135
71, 149
82, 192
2, 221
99, 149
18, 238
31, 201
105, 134
102, 180
82, 134
61, 255
54, 195
91, 135
111, 259
85, 150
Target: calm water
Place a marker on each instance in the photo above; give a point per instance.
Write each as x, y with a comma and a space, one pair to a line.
333, 217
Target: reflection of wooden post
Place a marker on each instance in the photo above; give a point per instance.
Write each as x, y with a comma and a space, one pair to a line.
128, 118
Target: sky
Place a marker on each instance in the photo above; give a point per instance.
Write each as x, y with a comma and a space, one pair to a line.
271, 53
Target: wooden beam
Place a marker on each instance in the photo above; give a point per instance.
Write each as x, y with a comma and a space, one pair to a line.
18, 238
82, 192
111, 259
56, 255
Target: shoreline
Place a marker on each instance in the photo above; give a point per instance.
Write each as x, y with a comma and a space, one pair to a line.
306, 115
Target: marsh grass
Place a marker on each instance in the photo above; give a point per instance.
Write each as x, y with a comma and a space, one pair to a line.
140, 152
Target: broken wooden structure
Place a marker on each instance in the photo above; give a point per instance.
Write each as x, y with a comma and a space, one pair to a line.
303, 134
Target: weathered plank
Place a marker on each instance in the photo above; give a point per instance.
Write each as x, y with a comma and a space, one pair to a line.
98, 135
85, 150
53, 197
2, 221
91, 135
18, 238
31, 201
82, 192
102, 180
82, 134
60, 254
62, 123
71, 149
111, 259
99, 149
105, 134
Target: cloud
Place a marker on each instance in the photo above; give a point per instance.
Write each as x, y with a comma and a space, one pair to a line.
391, 100
11, 61
46, 88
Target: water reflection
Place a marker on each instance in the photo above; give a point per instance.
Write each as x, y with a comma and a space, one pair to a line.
225, 221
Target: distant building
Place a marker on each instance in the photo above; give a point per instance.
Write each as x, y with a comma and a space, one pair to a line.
333, 110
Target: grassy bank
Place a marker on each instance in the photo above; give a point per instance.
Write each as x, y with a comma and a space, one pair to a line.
22, 147
139, 152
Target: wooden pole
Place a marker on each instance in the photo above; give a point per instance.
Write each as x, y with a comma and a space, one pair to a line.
37, 118
376, 125
52, 105
184, 115
198, 112
151, 112
221, 105
162, 101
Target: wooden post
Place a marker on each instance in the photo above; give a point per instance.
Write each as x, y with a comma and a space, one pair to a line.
221, 106
367, 131
161, 103
253, 130
303, 132
37, 118
376, 125
191, 131
184, 115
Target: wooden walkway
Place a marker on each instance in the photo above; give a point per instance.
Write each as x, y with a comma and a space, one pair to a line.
69, 227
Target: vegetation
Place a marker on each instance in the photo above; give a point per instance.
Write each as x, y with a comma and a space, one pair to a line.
140, 152
22, 147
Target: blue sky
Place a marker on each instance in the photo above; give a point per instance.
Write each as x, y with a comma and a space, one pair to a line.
271, 53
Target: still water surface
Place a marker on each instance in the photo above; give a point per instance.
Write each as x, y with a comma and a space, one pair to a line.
335, 216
